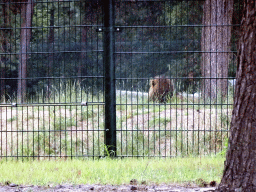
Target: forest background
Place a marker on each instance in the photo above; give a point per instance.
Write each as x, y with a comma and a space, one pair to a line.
48, 42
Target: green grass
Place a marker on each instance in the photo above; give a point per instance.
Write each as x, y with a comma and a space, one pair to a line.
12, 119
116, 172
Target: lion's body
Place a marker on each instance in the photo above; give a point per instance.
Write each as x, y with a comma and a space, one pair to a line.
160, 88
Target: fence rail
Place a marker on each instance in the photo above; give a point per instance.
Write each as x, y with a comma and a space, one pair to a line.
80, 80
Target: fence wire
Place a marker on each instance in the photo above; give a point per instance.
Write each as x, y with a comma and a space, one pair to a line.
173, 76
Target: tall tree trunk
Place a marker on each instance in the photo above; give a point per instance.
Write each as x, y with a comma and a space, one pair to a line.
90, 15
51, 50
4, 39
83, 50
25, 35
215, 44
240, 165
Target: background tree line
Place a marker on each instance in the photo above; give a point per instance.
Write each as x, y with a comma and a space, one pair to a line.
44, 43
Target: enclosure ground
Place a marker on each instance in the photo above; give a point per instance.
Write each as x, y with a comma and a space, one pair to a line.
147, 131
66, 187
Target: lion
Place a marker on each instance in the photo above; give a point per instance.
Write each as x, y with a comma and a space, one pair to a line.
160, 89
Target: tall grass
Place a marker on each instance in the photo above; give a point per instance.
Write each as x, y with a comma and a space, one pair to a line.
181, 127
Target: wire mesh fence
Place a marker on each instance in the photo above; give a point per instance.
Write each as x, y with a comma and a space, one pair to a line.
129, 78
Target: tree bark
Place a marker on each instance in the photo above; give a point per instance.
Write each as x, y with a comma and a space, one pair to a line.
90, 16
25, 35
240, 165
51, 50
215, 44
83, 49
4, 39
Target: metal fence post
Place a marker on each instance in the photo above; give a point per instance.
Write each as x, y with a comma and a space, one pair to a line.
109, 67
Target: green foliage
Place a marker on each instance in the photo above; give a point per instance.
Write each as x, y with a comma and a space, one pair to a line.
75, 48
225, 148
12, 119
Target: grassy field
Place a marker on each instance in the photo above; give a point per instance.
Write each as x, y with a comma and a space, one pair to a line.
183, 171
58, 125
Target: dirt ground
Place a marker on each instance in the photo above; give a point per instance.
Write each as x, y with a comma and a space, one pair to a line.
76, 188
